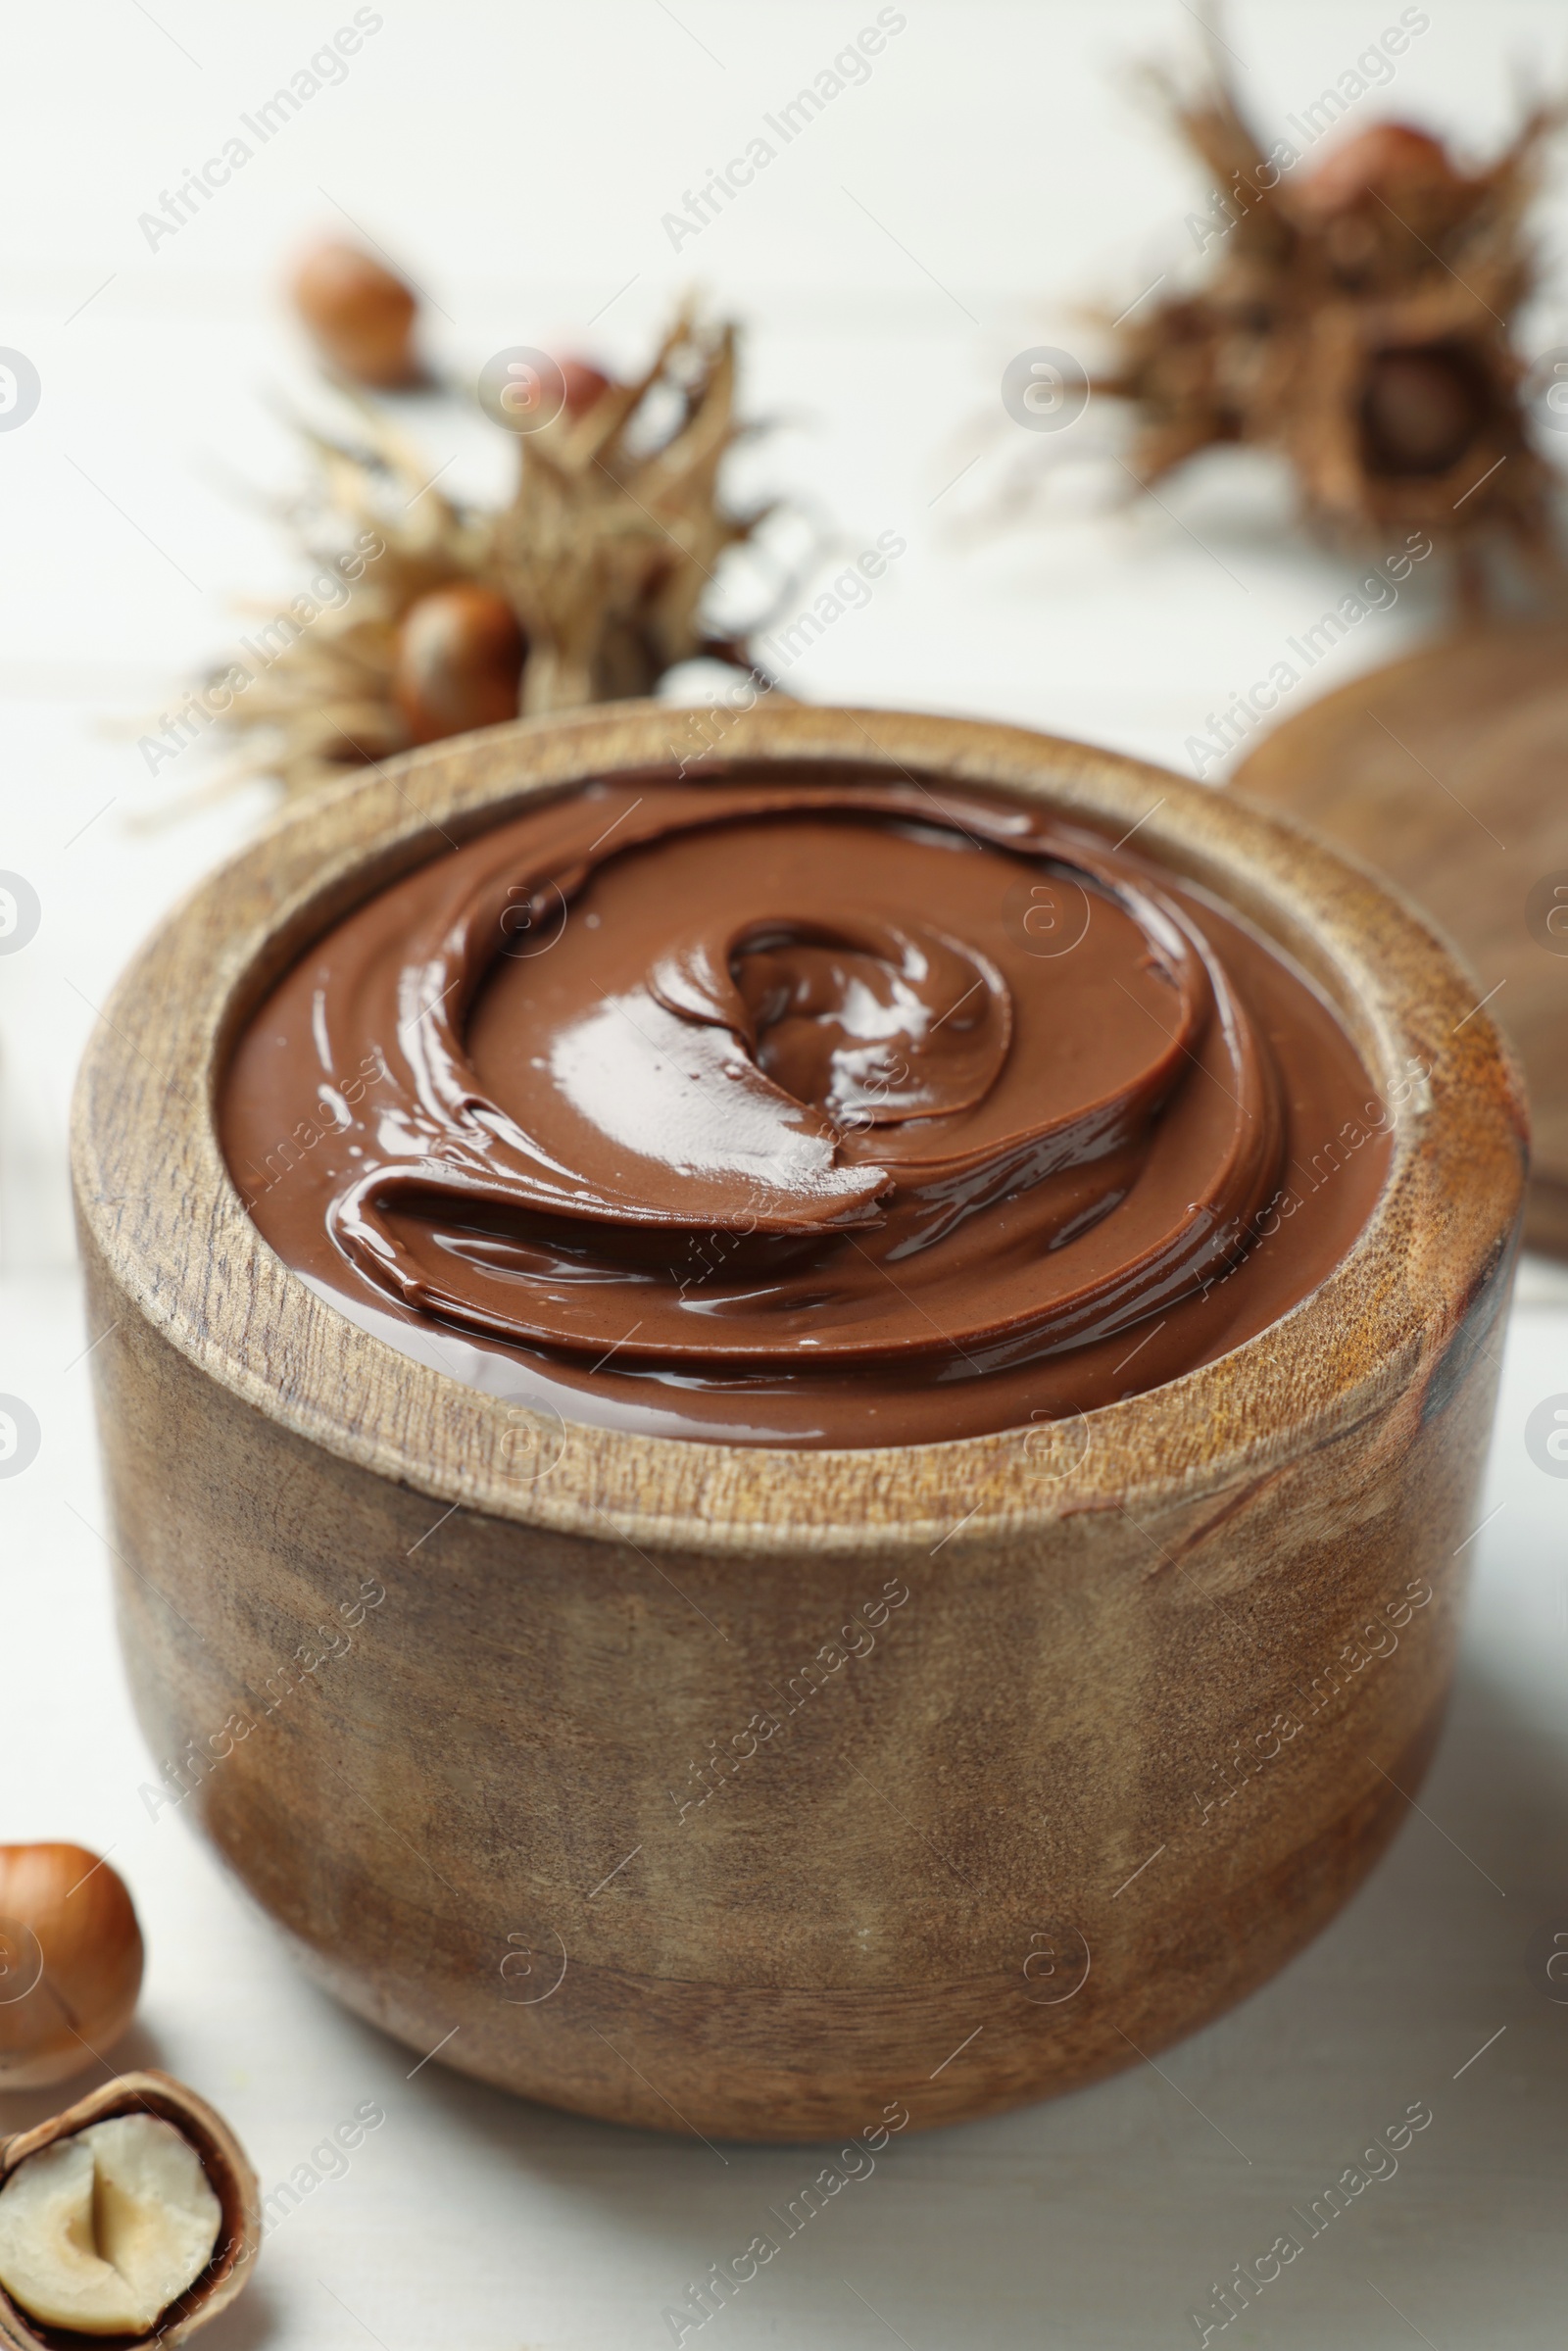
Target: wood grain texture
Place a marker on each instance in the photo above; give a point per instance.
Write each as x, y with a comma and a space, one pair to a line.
228, 2172
1046, 1819
1448, 772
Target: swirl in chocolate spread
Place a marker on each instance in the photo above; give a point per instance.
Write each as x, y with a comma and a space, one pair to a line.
803, 1108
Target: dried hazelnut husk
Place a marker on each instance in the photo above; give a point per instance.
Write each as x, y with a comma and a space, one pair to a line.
361, 315
458, 662
1357, 312
133, 2218
590, 584
71, 1962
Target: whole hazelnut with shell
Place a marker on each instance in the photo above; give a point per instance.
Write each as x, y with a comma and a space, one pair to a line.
1385, 159
360, 314
585, 385
71, 1962
458, 662
1420, 410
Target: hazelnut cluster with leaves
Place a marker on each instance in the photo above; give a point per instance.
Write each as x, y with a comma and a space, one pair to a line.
1357, 316
438, 616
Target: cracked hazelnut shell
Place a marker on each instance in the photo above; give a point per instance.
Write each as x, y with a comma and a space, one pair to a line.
228, 2171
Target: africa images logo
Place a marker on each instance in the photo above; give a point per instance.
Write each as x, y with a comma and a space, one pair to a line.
1547, 1436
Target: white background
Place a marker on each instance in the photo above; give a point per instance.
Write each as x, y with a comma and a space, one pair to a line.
995, 172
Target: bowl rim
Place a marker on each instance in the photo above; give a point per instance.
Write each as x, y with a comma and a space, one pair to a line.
155, 1198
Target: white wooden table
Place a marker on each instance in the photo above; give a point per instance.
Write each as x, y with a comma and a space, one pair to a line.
939, 217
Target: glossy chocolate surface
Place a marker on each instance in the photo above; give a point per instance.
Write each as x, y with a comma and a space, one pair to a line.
802, 1107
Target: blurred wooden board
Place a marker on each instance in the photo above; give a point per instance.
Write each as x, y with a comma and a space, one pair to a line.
1448, 772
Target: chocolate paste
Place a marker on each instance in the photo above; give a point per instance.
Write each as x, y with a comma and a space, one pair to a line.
802, 1107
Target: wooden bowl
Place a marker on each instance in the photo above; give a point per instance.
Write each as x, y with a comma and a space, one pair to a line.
1148, 1691
1448, 772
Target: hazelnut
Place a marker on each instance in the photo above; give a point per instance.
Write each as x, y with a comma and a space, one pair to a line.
1384, 157
70, 1960
361, 315
136, 2215
458, 662
1420, 411
585, 385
